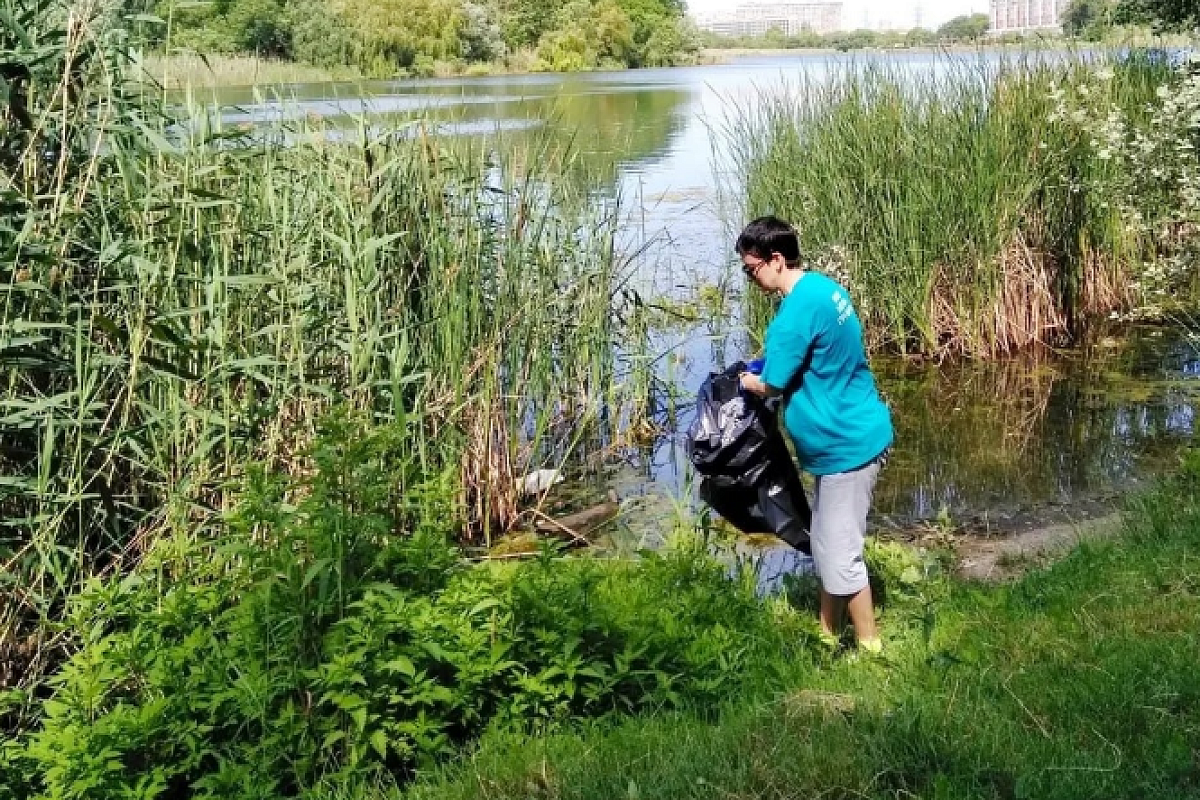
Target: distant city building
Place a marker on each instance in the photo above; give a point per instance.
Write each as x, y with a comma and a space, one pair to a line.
790, 19
1019, 16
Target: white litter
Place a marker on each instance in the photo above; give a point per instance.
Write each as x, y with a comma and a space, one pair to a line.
539, 481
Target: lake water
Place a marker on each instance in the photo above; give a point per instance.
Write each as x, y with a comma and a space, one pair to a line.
1000, 444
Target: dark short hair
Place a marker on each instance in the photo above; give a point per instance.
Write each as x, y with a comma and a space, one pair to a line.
766, 236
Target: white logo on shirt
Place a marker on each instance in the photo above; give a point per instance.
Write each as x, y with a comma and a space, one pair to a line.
843, 306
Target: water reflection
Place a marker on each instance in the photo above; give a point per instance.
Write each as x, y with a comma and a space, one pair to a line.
1013, 444
974, 439
605, 125
979, 438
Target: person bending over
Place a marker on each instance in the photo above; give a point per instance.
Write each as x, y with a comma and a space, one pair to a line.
814, 357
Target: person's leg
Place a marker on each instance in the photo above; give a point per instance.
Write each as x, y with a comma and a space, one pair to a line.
861, 607
831, 611
840, 507
862, 615
832, 614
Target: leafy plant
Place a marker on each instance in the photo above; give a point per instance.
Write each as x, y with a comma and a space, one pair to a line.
328, 631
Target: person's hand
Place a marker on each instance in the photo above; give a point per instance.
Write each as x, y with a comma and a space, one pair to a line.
753, 384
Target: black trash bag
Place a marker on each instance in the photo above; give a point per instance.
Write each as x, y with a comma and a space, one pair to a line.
749, 477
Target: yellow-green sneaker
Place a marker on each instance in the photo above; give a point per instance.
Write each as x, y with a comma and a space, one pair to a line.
871, 647
830, 642
870, 651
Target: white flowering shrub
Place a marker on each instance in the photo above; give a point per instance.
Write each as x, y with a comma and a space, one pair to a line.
1165, 172
834, 262
1149, 170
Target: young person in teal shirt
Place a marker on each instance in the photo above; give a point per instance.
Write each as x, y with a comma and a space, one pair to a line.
842, 430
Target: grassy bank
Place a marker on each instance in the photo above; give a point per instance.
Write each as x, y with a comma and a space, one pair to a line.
215, 71
1077, 681
183, 71
328, 633
716, 55
924, 41
224, 669
979, 210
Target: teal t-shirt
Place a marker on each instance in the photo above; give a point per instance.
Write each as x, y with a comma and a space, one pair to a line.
815, 356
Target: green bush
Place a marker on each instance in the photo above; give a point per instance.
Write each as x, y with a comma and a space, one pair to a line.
386, 37
319, 37
328, 630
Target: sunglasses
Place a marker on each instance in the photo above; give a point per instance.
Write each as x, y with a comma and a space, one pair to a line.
751, 270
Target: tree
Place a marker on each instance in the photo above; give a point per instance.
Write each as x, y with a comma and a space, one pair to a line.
397, 32
613, 32
527, 21
1087, 19
919, 36
968, 27
566, 51
853, 40
321, 37
481, 37
1166, 15
806, 38
261, 27
656, 30
588, 34
671, 41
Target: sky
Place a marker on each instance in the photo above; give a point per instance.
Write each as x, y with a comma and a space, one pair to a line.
899, 13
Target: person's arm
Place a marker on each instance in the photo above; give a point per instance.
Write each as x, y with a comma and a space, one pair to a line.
785, 354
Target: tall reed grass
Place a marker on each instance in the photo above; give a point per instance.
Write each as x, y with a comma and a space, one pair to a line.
178, 299
189, 70
953, 201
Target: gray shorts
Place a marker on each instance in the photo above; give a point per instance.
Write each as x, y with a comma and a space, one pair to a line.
839, 527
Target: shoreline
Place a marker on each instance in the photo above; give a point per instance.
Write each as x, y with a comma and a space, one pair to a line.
194, 71
716, 55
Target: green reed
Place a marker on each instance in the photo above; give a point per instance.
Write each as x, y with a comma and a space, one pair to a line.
956, 203
181, 298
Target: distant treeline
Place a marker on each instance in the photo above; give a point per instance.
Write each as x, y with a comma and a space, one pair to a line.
385, 37
1097, 19
1092, 20
966, 28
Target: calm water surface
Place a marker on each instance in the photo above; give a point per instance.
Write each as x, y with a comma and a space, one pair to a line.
990, 442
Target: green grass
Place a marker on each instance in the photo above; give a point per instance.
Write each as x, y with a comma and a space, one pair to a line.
183, 71
965, 215
1078, 681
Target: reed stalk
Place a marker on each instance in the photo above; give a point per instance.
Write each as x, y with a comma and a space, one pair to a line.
180, 298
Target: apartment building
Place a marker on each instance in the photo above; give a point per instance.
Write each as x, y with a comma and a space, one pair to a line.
1019, 16
790, 19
